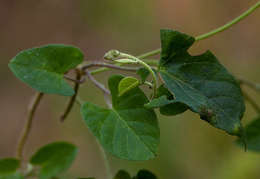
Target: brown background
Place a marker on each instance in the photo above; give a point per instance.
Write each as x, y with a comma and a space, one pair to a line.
190, 148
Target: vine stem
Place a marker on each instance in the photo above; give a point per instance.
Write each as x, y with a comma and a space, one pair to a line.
251, 84
252, 102
198, 38
211, 33
229, 24
27, 129
101, 87
105, 159
73, 98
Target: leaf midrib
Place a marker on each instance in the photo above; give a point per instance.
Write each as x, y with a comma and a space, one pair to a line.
133, 131
209, 99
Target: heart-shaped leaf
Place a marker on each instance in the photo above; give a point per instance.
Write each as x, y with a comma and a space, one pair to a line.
126, 84
54, 158
43, 68
201, 83
128, 130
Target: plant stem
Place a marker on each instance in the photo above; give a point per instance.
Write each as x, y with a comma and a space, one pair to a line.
252, 102
229, 24
198, 38
152, 62
73, 98
149, 54
101, 87
74, 80
105, 159
97, 84
31, 111
254, 86
79, 101
211, 33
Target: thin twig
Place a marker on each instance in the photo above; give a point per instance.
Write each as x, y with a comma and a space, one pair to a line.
211, 33
82, 80
251, 84
229, 24
97, 84
252, 102
101, 87
31, 111
105, 159
73, 98
79, 101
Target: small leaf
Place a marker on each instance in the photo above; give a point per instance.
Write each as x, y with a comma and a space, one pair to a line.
158, 102
201, 83
145, 174
128, 130
43, 68
122, 174
54, 158
143, 73
8, 166
252, 134
165, 101
126, 84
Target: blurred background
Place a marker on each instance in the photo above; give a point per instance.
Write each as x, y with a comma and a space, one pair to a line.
190, 148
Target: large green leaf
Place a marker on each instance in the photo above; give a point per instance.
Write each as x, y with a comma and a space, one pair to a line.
12, 176
252, 133
43, 68
201, 83
54, 158
128, 130
8, 166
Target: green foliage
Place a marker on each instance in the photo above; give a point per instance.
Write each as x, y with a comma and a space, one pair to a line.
8, 165
8, 168
122, 174
126, 84
252, 133
128, 130
201, 83
165, 101
12, 176
54, 158
145, 174
143, 73
43, 68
